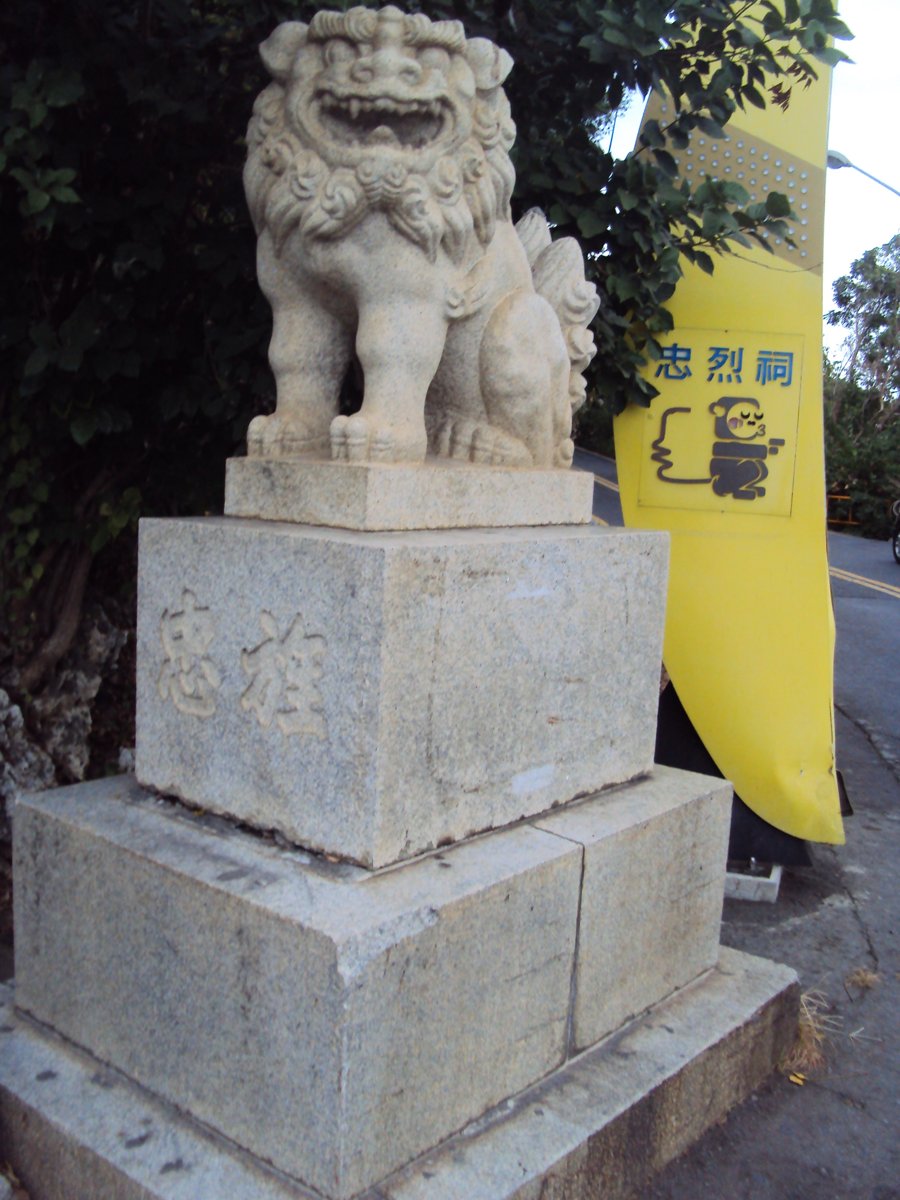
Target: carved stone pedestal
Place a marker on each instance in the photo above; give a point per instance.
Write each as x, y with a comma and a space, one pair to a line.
506, 957
336, 1023
374, 695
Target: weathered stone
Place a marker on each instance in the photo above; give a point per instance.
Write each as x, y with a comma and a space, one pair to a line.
651, 900
601, 1125
609, 1120
74, 1129
390, 237
435, 495
24, 766
332, 1021
375, 695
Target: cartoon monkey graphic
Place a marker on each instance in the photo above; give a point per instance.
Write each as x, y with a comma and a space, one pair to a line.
738, 463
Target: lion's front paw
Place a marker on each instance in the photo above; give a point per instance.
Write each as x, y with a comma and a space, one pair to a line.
280, 437
360, 439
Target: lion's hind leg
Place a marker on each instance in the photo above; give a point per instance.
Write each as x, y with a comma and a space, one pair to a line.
466, 440
525, 376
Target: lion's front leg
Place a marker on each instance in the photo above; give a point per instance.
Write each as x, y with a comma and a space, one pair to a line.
399, 348
308, 353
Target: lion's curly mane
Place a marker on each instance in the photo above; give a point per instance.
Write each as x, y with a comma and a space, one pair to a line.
290, 186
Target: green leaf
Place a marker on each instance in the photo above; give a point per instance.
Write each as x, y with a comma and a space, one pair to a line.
778, 205
36, 361
35, 202
64, 195
65, 89
83, 427
591, 224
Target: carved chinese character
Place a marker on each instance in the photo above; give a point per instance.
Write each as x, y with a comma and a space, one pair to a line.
283, 675
188, 678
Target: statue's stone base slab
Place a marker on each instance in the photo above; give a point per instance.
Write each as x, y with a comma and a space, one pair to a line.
436, 494
374, 695
338, 1022
601, 1125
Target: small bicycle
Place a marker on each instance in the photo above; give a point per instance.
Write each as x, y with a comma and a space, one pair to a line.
895, 532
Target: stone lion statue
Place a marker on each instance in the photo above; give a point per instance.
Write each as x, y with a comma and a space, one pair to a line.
379, 181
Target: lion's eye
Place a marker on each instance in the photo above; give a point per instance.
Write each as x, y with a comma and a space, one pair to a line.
435, 57
339, 51
745, 416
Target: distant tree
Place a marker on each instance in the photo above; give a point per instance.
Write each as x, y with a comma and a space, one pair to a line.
867, 305
862, 391
132, 333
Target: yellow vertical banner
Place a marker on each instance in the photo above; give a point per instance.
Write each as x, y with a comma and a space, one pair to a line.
729, 458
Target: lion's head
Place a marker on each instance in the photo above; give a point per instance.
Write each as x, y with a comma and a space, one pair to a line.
380, 110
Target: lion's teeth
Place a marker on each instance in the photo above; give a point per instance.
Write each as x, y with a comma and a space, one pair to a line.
354, 107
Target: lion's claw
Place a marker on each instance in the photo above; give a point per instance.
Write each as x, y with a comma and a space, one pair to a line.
358, 439
275, 437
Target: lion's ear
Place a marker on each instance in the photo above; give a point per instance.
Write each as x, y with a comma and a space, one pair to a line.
490, 64
280, 48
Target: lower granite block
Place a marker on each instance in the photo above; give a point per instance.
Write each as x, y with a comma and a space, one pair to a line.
333, 1021
600, 1126
338, 1022
651, 901
605, 1123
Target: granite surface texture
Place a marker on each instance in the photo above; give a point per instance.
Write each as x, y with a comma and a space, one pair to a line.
436, 494
375, 695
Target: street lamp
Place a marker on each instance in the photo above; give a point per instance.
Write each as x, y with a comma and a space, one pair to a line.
836, 159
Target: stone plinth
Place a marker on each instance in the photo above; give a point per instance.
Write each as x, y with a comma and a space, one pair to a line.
338, 1022
375, 695
600, 1125
334, 1023
437, 494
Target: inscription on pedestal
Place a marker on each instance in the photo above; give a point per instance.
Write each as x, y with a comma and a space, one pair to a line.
283, 673
188, 676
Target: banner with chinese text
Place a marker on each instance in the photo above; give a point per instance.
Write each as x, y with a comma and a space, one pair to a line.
729, 458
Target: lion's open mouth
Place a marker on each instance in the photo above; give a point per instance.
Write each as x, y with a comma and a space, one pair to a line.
357, 120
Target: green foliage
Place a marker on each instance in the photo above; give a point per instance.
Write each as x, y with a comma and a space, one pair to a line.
867, 305
132, 332
862, 455
862, 393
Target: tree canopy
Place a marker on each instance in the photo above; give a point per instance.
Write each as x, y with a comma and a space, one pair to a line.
867, 305
862, 390
132, 332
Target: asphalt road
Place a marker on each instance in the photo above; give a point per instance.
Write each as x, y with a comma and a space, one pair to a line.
865, 583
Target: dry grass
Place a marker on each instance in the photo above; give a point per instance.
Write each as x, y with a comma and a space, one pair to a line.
862, 979
816, 1027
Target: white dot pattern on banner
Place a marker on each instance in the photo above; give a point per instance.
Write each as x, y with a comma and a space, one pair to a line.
758, 170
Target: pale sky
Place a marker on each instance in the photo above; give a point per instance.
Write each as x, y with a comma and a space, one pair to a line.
864, 127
